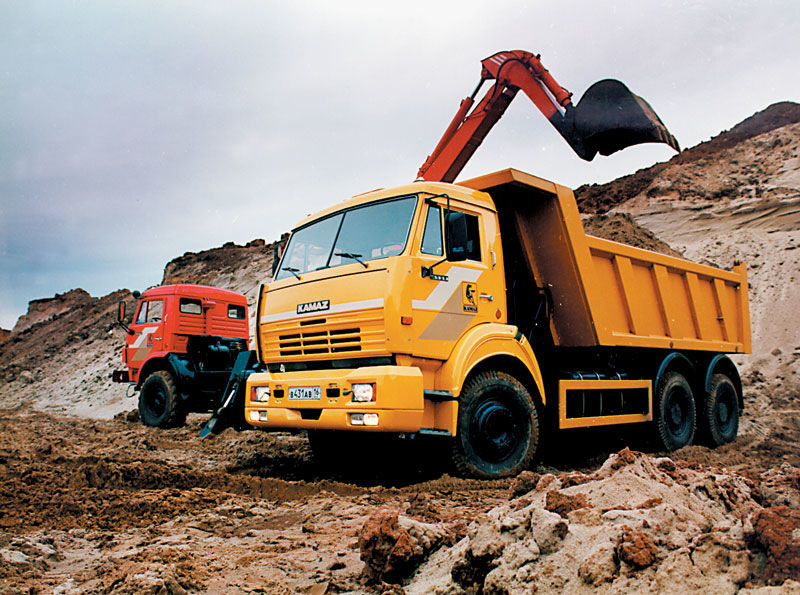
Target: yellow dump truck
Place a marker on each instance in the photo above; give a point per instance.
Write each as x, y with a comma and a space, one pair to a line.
480, 311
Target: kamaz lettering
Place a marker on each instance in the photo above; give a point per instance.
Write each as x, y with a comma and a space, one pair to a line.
319, 306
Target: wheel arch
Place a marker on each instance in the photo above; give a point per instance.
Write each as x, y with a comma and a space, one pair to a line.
176, 366
512, 366
677, 362
492, 346
722, 364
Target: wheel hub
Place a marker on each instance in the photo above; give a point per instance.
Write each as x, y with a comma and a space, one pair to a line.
494, 431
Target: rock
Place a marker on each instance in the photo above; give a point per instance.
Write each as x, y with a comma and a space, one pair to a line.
548, 530
563, 504
777, 531
600, 566
635, 548
523, 483
392, 547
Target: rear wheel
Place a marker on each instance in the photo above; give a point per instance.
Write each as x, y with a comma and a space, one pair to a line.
720, 418
159, 402
676, 418
498, 428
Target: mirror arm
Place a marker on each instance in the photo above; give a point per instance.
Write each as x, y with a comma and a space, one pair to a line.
129, 330
428, 271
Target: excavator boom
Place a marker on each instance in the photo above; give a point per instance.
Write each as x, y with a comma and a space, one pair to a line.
608, 118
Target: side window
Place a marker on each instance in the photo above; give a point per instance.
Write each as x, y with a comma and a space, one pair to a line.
432, 237
141, 316
473, 238
463, 235
190, 306
149, 311
236, 312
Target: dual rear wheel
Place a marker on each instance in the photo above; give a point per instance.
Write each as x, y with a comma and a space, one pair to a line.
677, 419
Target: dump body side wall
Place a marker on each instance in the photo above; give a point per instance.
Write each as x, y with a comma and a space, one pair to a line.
654, 300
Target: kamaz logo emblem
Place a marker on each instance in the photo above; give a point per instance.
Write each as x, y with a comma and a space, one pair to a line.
318, 306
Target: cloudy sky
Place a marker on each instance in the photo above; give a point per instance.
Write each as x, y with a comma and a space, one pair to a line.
132, 132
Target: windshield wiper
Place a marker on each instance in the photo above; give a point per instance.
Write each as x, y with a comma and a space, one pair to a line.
293, 271
353, 256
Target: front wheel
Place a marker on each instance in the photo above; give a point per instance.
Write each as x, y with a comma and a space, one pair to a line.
159, 401
498, 428
720, 420
676, 417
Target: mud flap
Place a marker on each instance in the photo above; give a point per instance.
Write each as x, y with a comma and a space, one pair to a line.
609, 118
231, 410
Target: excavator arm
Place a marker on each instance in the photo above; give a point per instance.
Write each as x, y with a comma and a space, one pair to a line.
608, 118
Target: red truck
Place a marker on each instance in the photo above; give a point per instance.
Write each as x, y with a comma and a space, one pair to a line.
181, 349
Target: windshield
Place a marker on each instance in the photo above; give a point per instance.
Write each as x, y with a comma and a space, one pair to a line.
364, 233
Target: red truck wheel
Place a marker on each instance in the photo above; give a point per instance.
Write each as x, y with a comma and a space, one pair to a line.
498, 428
159, 402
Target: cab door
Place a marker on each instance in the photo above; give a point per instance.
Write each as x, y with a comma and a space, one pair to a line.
450, 297
148, 328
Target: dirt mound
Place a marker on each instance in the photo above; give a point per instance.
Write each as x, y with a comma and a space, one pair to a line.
621, 227
46, 308
208, 267
637, 524
599, 198
775, 116
64, 362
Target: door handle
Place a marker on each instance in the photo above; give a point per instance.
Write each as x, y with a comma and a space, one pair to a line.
486, 296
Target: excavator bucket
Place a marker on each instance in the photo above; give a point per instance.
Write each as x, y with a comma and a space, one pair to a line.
609, 117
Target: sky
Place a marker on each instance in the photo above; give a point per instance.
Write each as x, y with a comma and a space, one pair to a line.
132, 132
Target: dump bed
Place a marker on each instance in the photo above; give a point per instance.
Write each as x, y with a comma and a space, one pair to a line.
605, 293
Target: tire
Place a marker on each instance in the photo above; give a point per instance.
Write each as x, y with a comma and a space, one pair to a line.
676, 416
159, 403
720, 416
498, 427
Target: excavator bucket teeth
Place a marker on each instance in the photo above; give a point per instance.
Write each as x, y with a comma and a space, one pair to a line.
609, 117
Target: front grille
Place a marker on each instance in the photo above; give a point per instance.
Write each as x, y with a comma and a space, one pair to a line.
358, 333
320, 341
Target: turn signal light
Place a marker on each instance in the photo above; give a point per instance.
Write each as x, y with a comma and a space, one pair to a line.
406, 320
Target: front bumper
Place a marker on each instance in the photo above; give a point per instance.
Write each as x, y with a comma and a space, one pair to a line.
399, 400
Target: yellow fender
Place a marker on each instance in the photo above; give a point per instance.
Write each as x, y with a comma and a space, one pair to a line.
480, 343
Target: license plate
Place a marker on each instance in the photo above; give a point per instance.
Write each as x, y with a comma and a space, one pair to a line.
305, 393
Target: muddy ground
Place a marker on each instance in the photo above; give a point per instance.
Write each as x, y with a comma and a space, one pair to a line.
110, 505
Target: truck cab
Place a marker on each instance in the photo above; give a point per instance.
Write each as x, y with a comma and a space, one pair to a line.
473, 311
180, 347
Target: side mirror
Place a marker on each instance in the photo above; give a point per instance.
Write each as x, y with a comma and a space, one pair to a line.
276, 257
455, 236
121, 317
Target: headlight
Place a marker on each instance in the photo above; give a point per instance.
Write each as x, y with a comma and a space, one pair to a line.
260, 394
363, 393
